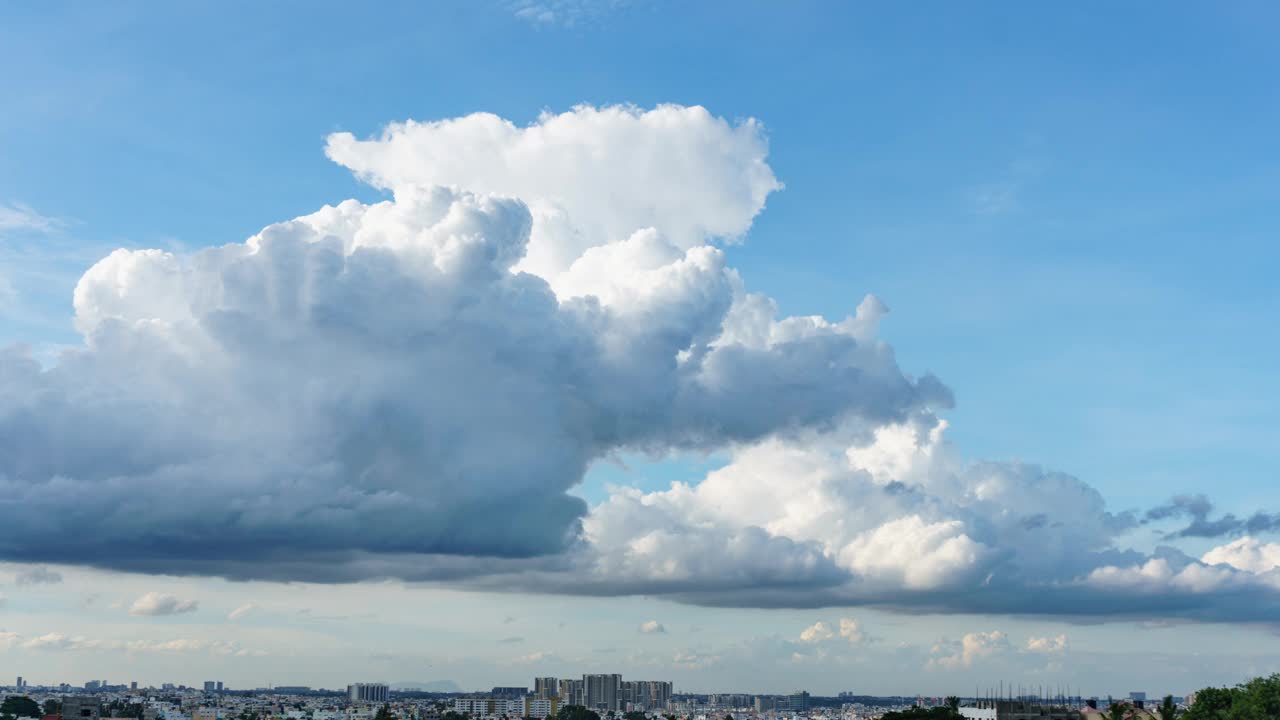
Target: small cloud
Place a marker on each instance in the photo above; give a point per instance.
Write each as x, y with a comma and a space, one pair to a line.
949, 655
533, 658
508, 620
816, 632
241, 611
511, 640
38, 575
9, 639
1051, 645
851, 630
154, 603
58, 641
652, 627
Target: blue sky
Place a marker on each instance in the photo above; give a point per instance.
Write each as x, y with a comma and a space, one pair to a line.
1070, 211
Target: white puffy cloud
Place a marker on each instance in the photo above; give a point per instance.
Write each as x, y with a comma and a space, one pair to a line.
590, 176
652, 627
156, 603
851, 630
1247, 553
816, 632
1050, 645
949, 655
847, 629
340, 395
1161, 574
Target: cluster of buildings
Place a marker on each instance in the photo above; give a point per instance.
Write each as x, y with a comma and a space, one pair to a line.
796, 702
609, 695
603, 693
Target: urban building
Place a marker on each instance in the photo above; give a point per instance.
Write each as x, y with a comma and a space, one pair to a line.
603, 691
509, 692
571, 692
528, 706
368, 692
546, 687
1027, 710
797, 702
210, 686
81, 707
650, 695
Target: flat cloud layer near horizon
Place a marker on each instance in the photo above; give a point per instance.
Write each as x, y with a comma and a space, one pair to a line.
410, 388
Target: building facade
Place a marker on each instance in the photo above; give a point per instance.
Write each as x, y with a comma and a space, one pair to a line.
368, 692
546, 687
603, 692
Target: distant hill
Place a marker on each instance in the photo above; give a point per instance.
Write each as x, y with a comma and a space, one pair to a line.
430, 686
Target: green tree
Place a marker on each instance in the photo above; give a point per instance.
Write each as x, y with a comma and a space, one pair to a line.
1167, 709
953, 703
384, 713
576, 712
1211, 704
633, 715
52, 707
20, 706
1117, 711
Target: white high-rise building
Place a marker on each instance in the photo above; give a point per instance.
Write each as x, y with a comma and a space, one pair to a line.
368, 692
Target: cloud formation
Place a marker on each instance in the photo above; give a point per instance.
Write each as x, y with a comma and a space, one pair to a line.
339, 396
241, 611
37, 575
949, 655
155, 603
1049, 645
652, 627
20, 216
353, 386
1197, 508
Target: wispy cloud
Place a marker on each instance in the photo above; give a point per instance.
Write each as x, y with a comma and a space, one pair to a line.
565, 13
241, 611
20, 216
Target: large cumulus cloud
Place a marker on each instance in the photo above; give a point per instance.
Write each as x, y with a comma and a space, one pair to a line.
411, 388
383, 381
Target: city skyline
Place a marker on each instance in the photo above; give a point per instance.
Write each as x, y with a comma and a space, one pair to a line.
755, 346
